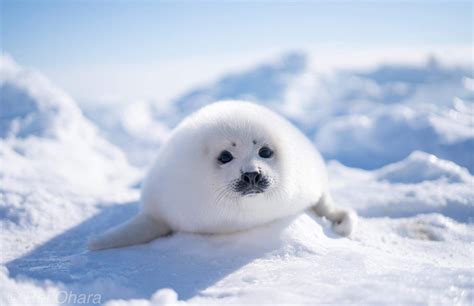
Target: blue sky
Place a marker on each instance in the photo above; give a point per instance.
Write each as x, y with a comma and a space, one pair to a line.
74, 41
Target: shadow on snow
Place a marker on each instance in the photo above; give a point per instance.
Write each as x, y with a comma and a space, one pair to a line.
181, 261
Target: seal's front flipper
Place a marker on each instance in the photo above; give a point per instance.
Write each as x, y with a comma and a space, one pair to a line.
343, 221
140, 229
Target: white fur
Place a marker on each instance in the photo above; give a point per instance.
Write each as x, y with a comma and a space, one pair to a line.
189, 190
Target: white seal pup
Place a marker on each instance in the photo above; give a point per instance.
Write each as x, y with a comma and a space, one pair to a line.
228, 167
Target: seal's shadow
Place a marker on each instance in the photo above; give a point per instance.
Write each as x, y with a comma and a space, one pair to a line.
185, 262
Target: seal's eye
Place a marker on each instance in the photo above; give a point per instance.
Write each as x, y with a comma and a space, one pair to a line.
265, 152
225, 157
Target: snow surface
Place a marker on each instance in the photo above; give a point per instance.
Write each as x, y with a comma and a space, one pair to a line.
400, 138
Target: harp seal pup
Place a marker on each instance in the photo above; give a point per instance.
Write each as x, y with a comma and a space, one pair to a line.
228, 167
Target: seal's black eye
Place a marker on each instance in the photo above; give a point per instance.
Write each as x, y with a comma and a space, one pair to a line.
225, 157
265, 152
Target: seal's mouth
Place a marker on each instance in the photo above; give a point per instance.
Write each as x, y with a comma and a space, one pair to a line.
252, 189
252, 192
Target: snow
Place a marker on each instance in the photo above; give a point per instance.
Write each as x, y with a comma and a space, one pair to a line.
419, 167
373, 195
399, 138
54, 163
444, 132
133, 128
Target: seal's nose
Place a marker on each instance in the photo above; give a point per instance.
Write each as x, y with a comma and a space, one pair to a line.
251, 177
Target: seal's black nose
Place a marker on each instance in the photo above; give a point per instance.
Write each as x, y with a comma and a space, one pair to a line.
251, 177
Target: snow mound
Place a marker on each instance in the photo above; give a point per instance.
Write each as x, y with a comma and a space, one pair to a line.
43, 129
134, 128
388, 134
398, 191
368, 118
314, 97
420, 166
31, 105
52, 159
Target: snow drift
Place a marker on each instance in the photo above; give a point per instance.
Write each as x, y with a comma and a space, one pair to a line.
419, 167
42, 125
134, 128
419, 184
364, 118
388, 134
53, 161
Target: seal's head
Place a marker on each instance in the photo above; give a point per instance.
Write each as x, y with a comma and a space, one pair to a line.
244, 153
246, 166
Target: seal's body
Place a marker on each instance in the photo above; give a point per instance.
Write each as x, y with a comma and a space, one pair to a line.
229, 167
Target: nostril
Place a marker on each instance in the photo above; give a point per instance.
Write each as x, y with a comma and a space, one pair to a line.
251, 177
257, 179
